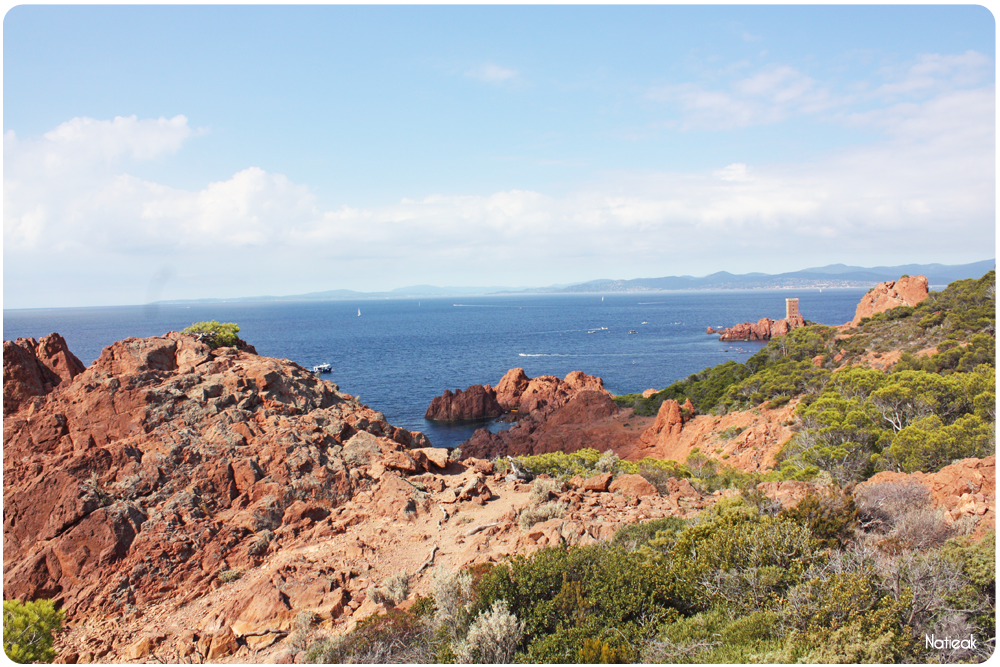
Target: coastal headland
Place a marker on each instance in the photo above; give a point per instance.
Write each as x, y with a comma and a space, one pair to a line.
183, 503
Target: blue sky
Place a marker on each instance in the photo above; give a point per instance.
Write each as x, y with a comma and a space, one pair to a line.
188, 151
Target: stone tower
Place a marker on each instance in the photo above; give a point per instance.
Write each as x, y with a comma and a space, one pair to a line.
791, 308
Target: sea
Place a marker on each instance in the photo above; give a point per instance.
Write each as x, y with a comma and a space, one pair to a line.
396, 355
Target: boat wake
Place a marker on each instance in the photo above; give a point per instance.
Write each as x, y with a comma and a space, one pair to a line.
522, 354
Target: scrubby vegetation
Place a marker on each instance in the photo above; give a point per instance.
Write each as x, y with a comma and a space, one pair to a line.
215, 334
29, 629
850, 574
743, 582
928, 411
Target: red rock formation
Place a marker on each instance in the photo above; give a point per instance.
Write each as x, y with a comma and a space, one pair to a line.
476, 402
669, 421
964, 488
516, 391
166, 461
33, 368
761, 330
552, 413
588, 419
907, 291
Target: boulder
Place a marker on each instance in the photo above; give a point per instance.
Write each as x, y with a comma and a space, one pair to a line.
598, 483
633, 486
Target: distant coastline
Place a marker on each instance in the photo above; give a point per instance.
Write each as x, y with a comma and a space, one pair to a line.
834, 276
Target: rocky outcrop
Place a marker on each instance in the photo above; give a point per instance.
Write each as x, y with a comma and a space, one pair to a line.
34, 368
907, 291
517, 392
762, 330
964, 488
669, 420
552, 414
747, 440
165, 462
588, 419
476, 402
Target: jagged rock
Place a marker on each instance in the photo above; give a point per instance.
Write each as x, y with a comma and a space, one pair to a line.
762, 330
476, 402
435, 457
669, 422
907, 291
166, 451
584, 419
34, 368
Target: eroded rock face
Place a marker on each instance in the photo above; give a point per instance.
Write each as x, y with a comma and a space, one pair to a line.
907, 291
553, 414
476, 402
165, 461
516, 391
34, 368
586, 419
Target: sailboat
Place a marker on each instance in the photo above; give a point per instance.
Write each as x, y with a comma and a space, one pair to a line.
359, 312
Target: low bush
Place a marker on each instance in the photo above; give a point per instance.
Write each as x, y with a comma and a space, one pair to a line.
531, 515
215, 334
394, 637
29, 629
393, 590
226, 576
492, 638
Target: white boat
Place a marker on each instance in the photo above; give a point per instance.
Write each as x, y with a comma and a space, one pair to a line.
322, 368
359, 312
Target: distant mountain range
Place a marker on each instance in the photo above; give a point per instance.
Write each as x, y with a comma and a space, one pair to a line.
833, 275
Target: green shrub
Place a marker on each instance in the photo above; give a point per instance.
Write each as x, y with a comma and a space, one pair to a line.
565, 595
636, 535
28, 630
215, 334
735, 556
561, 465
845, 618
830, 518
928, 445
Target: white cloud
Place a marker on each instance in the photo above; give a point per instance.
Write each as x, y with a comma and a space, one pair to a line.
775, 93
933, 73
734, 172
927, 188
491, 73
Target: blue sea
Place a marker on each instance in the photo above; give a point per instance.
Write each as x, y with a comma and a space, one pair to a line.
398, 354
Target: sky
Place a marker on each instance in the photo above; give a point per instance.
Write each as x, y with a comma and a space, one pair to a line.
176, 152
